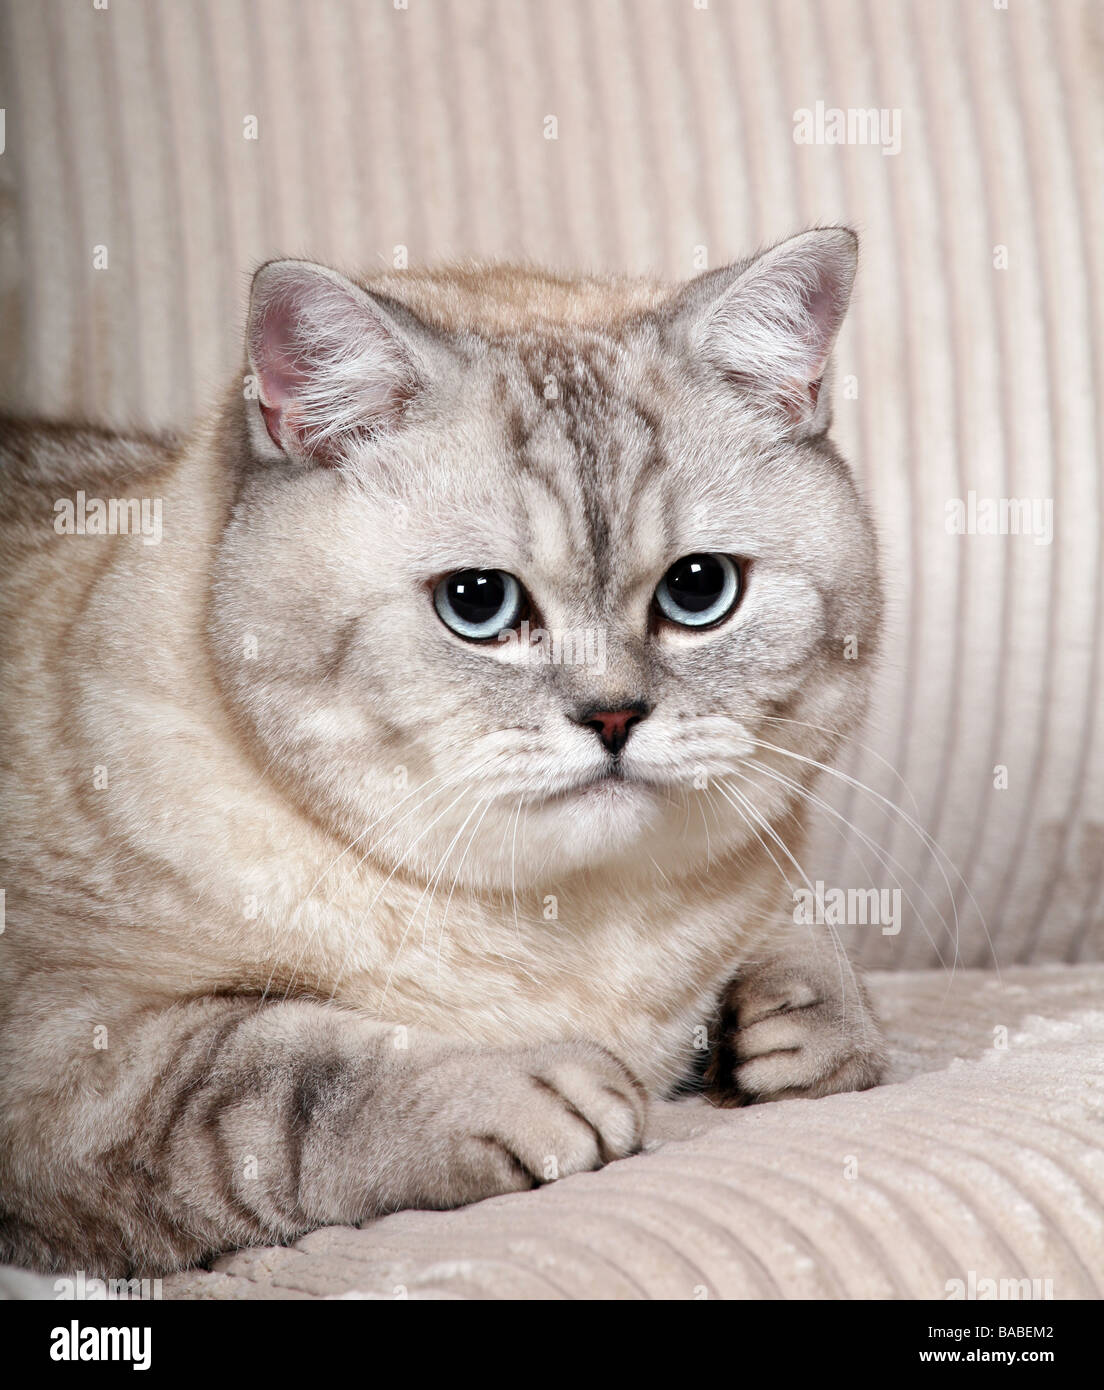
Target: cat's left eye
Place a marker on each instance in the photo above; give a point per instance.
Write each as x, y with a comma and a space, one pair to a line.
699, 590
479, 604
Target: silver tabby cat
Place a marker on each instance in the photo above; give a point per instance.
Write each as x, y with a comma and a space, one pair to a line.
411, 807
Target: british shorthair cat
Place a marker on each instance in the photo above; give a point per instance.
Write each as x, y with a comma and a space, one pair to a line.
425, 795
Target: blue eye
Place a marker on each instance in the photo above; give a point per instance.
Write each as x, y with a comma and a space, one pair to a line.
478, 604
699, 590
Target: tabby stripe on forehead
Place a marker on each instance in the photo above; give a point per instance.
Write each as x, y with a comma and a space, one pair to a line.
583, 373
531, 466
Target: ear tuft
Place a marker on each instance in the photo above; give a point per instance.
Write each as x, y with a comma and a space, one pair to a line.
331, 366
772, 328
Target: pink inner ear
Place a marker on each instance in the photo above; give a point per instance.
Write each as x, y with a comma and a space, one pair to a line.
280, 373
824, 312
773, 331
278, 367
329, 368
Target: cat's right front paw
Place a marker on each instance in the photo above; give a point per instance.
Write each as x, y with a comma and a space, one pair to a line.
478, 1124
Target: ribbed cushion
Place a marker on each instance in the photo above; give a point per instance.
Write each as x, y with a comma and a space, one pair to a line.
425, 128
982, 1155
980, 1158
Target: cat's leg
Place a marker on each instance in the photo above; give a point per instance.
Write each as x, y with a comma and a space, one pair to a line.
796, 1023
226, 1122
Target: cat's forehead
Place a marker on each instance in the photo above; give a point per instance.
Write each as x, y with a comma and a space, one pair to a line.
597, 391
554, 458
577, 450
563, 405
573, 454
585, 445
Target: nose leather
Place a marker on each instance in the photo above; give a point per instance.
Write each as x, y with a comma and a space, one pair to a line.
613, 726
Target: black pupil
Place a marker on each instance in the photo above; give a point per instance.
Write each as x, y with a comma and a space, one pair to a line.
696, 583
476, 595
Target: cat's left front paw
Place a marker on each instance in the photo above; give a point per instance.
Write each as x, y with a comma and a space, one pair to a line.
782, 1036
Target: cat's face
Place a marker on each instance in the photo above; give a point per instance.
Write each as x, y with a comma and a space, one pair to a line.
515, 589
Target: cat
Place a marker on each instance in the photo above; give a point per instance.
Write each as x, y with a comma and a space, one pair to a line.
424, 797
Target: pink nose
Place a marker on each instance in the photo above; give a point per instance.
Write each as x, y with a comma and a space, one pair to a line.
613, 726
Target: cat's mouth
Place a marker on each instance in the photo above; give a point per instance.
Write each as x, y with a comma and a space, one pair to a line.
611, 780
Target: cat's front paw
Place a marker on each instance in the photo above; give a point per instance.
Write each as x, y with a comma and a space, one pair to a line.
481, 1123
783, 1036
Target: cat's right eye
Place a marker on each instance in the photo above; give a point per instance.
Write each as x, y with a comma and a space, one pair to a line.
479, 604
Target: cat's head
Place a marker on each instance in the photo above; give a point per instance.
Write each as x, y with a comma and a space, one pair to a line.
526, 570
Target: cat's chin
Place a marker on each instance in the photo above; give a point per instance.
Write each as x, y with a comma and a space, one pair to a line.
598, 820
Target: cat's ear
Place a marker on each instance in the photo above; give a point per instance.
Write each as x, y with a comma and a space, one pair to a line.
769, 326
330, 365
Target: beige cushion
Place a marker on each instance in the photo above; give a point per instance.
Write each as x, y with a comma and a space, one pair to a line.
982, 1154
979, 1160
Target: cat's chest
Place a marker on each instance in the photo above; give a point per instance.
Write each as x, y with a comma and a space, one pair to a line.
640, 978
